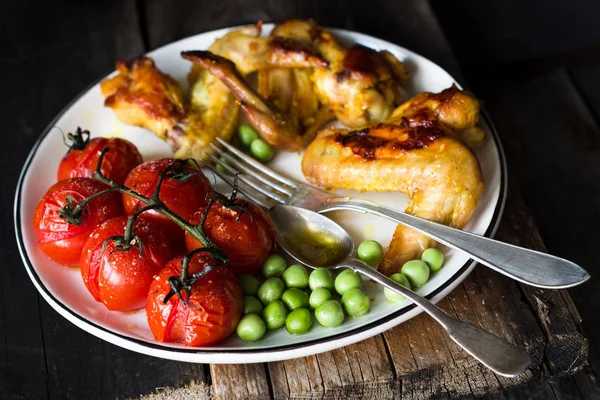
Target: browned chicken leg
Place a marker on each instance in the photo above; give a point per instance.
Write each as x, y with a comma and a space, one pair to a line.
142, 95
440, 175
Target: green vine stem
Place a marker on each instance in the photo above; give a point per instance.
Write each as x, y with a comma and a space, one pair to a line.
73, 211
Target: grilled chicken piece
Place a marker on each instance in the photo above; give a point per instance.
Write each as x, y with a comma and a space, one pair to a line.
250, 52
440, 175
273, 125
359, 86
456, 112
144, 96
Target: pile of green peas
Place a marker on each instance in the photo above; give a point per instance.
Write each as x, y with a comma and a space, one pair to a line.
257, 147
289, 296
414, 273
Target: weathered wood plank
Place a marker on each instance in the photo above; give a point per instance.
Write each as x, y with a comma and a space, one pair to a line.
239, 381
568, 137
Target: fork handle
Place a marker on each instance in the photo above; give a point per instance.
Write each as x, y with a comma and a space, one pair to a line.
495, 353
528, 266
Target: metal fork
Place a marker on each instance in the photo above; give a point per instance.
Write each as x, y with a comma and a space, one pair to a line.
268, 188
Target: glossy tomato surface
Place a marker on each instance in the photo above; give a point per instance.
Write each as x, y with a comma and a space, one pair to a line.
183, 198
61, 241
121, 158
216, 303
120, 279
247, 238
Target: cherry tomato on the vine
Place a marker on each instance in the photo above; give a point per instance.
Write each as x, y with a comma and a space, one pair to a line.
121, 158
63, 241
182, 197
120, 279
214, 309
247, 237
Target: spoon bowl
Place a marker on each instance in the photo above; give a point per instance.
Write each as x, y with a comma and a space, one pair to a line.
311, 238
318, 242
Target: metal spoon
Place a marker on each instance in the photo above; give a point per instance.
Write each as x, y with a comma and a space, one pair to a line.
317, 241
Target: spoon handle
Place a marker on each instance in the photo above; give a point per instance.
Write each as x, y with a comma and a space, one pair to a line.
524, 265
497, 354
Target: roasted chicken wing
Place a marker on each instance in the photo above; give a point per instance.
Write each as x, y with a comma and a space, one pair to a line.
305, 79
142, 95
274, 126
250, 52
455, 111
440, 175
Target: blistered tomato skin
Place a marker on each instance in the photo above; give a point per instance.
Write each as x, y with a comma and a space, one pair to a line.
183, 198
216, 303
246, 237
121, 158
61, 241
120, 280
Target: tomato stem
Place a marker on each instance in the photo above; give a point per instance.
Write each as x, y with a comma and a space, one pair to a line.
73, 211
77, 140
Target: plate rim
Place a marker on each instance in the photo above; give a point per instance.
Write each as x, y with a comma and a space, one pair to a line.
183, 354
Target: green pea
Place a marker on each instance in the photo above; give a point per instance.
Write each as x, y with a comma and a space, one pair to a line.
298, 321
356, 302
346, 280
249, 284
274, 314
370, 252
330, 314
261, 150
416, 271
270, 290
252, 305
433, 258
251, 328
395, 296
274, 265
247, 134
295, 298
321, 278
296, 276
318, 297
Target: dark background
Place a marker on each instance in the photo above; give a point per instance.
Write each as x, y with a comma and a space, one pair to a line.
536, 65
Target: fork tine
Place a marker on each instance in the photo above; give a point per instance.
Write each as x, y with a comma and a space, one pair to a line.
261, 202
250, 172
257, 165
250, 183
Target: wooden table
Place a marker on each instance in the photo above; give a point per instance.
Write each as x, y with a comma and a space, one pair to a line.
51, 55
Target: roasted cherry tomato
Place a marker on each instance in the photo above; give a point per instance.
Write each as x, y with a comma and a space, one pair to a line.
183, 198
121, 158
214, 309
63, 241
247, 237
120, 279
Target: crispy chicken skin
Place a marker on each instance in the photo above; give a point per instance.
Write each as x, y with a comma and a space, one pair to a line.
142, 95
250, 52
440, 175
273, 125
456, 112
359, 86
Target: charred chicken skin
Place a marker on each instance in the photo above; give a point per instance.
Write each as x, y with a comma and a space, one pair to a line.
142, 95
305, 79
440, 175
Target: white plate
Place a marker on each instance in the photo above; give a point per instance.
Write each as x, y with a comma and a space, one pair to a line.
63, 289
